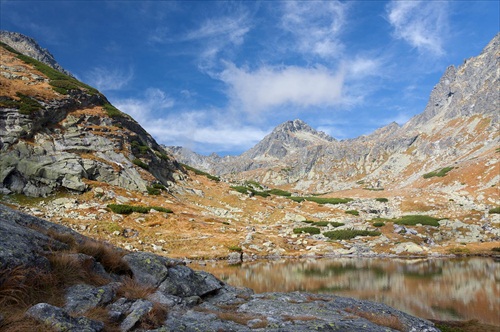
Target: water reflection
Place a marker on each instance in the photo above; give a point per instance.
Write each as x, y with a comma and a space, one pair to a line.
446, 289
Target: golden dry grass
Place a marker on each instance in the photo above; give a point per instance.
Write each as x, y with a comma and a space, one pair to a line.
390, 321
131, 289
154, 318
109, 257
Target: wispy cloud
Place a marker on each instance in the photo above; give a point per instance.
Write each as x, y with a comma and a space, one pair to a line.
204, 131
268, 87
106, 79
147, 107
315, 26
422, 24
219, 34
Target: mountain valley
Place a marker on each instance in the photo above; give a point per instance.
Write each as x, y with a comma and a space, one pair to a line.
74, 169
443, 164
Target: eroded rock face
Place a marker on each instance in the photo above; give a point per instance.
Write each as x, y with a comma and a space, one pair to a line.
195, 300
69, 138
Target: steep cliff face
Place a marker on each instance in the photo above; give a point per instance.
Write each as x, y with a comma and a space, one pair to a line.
58, 132
459, 123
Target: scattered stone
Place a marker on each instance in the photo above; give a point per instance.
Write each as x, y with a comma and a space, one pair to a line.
59, 320
80, 298
137, 310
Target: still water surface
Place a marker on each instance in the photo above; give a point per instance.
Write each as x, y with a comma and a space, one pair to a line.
445, 289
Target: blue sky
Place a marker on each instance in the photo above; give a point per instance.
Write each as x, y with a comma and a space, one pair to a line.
218, 76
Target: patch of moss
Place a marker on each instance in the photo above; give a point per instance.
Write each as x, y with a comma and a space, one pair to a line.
382, 200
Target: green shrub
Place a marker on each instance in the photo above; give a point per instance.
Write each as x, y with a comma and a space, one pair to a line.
246, 190
161, 209
308, 221
199, 172
235, 248
459, 251
412, 220
346, 234
279, 192
137, 146
439, 173
112, 111
378, 224
26, 105
310, 230
353, 212
336, 224
495, 249
159, 186
140, 163
254, 184
495, 210
153, 191
320, 223
127, 209
162, 156
382, 200
321, 200
60, 82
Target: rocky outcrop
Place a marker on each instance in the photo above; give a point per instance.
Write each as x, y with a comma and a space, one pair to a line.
174, 296
459, 123
52, 138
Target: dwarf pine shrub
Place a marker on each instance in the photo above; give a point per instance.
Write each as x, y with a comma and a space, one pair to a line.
346, 234
310, 230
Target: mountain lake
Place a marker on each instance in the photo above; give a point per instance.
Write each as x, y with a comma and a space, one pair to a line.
438, 288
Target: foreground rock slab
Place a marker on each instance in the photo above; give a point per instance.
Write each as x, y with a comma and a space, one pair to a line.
188, 300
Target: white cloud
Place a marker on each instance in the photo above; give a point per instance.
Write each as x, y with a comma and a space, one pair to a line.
361, 67
422, 24
219, 34
270, 87
316, 26
106, 79
146, 108
204, 131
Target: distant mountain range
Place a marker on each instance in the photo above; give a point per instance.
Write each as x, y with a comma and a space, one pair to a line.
459, 124
56, 132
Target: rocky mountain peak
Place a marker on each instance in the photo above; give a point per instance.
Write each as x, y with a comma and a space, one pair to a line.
297, 126
28, 46
286, 138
